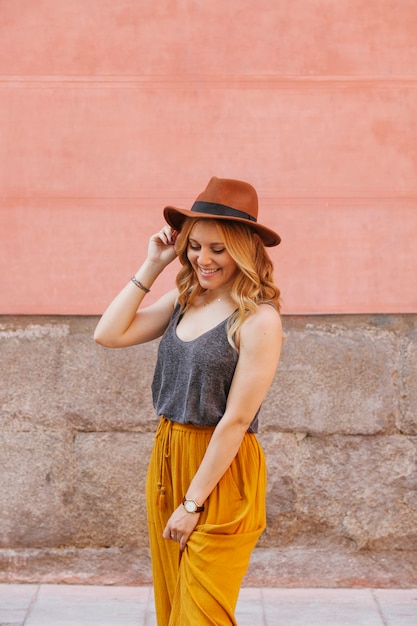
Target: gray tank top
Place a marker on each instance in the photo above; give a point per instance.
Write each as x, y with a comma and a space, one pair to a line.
192, 378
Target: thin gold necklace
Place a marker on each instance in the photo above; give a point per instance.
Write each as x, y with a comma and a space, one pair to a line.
214, 300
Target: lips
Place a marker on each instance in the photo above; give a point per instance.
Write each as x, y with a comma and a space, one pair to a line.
207, 272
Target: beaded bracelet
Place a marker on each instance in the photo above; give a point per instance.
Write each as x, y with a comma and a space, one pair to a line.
137, 282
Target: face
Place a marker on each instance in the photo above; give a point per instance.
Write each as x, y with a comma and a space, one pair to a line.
206, 252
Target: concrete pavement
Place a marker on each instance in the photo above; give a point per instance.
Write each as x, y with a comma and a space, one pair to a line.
78, 605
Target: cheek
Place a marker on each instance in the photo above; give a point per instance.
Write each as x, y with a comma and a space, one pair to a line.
192, 257
232, 267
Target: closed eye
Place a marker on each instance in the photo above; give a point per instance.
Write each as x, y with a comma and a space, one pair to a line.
194, 246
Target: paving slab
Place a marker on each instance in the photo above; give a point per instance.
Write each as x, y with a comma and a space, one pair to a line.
398, 606
89, 605
321, 607
15, 603
85, 606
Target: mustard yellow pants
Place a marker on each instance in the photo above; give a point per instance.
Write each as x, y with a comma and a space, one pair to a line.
200, 587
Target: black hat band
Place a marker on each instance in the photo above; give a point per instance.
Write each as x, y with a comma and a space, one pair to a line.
212, 208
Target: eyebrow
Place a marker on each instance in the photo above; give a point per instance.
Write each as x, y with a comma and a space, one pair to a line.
213, 243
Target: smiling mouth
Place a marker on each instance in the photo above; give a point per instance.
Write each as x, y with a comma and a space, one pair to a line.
207, 272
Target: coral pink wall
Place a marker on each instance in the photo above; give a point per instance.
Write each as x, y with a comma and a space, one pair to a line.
110, 110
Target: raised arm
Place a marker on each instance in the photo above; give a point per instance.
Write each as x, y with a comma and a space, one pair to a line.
122, 324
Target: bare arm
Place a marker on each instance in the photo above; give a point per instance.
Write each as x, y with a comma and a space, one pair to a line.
122, 324
260, 347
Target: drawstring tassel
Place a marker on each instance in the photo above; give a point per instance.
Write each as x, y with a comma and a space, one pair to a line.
160, 497
162, 501
166, 428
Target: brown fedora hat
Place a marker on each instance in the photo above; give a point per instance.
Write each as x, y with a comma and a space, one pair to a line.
225, 199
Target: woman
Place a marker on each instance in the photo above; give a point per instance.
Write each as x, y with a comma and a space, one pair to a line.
221, 341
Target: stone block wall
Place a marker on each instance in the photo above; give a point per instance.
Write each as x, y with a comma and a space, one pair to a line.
339, 428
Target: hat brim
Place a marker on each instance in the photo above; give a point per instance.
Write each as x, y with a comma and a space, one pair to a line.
175, 218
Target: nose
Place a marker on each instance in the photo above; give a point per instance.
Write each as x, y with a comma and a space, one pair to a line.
204, 257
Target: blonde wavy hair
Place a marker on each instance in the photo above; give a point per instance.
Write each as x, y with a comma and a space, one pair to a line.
254, 281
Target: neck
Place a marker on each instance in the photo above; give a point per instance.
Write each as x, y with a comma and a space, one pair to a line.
212, 296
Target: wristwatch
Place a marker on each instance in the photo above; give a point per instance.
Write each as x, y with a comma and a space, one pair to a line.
191, 506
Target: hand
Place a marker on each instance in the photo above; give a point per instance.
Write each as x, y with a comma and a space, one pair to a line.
180, 526
161, 248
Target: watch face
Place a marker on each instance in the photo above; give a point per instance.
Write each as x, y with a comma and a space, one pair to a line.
190, 506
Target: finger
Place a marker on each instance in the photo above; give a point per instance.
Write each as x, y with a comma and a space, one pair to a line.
166, 235
172, 234
167, 533
183, 542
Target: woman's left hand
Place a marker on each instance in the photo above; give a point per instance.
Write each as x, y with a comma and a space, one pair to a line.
180, 526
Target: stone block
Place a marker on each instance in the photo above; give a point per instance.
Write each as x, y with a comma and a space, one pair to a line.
30, 361
57, 377
109, 499
91, 566
360, 490
36, 489
331, 566
335, 376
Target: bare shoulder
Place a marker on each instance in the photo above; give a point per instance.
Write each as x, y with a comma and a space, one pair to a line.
262, 329
266, 318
